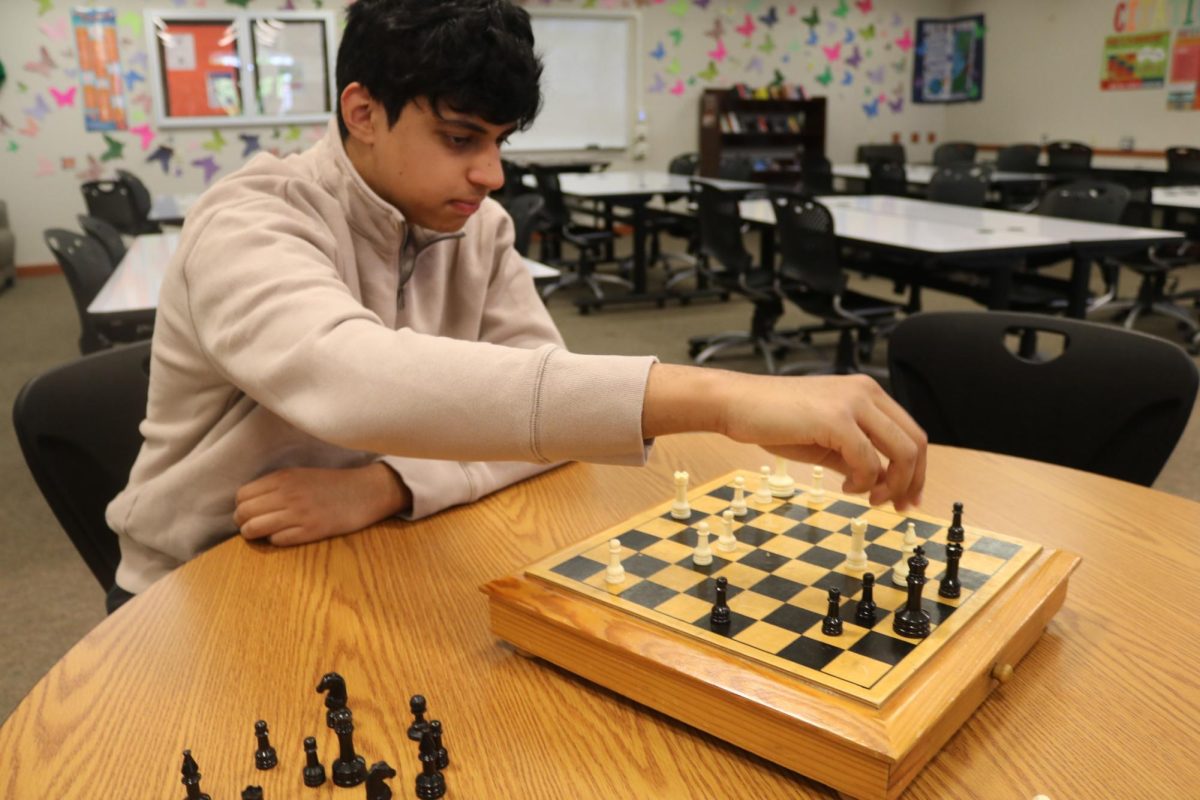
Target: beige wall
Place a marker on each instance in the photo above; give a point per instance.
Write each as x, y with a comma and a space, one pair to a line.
1042, 81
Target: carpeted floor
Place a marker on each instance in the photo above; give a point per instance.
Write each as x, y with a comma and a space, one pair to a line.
50, 598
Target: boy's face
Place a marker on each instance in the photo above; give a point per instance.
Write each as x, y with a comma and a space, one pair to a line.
436, 167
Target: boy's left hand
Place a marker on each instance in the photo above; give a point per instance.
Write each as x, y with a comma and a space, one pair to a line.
298, 505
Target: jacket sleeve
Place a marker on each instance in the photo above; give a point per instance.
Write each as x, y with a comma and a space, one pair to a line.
272, 314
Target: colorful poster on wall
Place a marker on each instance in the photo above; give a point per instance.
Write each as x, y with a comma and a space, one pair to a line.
1183, 88
1135, 60
201, 68
948, 67
99, 68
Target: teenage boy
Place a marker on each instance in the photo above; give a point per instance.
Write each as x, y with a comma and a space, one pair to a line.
347, 334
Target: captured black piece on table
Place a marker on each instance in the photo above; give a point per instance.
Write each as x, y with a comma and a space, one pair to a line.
719, 617
335, 686
314, 770
912, 621
350, 769
252, 793
191, 778
264, 756
431, 784
418, 708
377, 789
443, 758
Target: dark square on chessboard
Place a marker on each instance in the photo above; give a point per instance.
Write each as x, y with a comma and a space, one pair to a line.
648, 594
707, 589
737, 624
777, 588
848, 585
764, 560
995, 547
636, 540
878, 554
579, 568
873, 531
810, 653
881, 647
923, 529
821, 557
695, 516
970, 579
643, 565
807, 533
755, 537
795, 511
793, 618
844, 508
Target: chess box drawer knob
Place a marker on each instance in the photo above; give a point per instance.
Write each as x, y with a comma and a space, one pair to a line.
1002, 673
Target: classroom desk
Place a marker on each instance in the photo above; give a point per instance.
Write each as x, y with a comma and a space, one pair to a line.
937, 231
1104, 705
922, 174
135, 283
1176, 196
170, 209
561, 164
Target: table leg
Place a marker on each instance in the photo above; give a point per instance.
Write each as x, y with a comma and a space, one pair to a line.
1000, 285
1081, 269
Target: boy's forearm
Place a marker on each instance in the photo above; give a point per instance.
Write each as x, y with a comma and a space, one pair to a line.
683, 399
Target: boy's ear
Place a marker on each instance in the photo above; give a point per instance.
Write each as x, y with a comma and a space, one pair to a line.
357, 106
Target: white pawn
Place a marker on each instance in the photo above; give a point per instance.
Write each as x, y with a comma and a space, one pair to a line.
680, 508
900, 571
857, 559
739, 497
726, 542
702, 556
763, 494
782, 484
615, 572
818, 491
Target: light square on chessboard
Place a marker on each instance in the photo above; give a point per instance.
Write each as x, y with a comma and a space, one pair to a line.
827, 521
857, 669
598, 581
801, 572
767, 507
766, 636
709, 504
851, 633
741, 575
660, 527
669, 551
893, 540
772, 523
685, 608
882, 518
753, 604
786, 546
839, 543
678, 578
872, 567
812, 599
889, 597
980, 562
600, 553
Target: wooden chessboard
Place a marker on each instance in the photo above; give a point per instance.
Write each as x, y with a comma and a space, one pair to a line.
838, 705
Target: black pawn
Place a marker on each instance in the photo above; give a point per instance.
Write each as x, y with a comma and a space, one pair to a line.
191, 778
951, 586
443, 758
264, 756
832, 624
719, 618
417, 706
376, 788
955, 534
335, 685
864, 613
431, 784
912, 621
350, 769
252, 793
314, 770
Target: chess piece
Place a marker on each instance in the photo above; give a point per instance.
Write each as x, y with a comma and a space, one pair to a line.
900, 570
856, 560
726, 542
252, 793
264, 756
719, 618
762, 495
191, 778
680, 508
702, 555
912, 621
376, 788
615, 572
832, 624
443, 758
739, 497
417, 706
950, 585
349, 769
818, 491
780, 482
335, 686
956, 532
314, 770
431, 784
864, 613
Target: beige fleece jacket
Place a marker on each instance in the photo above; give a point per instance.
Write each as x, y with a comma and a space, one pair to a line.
303, 322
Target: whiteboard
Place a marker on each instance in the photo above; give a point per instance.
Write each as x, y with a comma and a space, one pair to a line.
588, 83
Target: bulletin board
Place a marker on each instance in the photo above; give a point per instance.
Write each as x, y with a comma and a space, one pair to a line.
241, 68
948, 67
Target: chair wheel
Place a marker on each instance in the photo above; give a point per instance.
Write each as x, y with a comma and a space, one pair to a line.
694, 350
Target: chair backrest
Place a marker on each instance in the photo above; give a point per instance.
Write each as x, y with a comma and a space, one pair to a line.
962, 184
78, 429
1068, 155
556, 212
108, 237
112, 201
526, 210
816, 174
1018, 158
1183, 162
139, 192
736, 168
721, 228
86, 264
1113, 402
808, 246
684, 164
887, 177
1090, 201
948, 153
870, 153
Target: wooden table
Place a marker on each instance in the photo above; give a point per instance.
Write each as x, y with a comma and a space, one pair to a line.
1105, 705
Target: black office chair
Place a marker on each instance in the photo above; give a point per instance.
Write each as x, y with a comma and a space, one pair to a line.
949, 154
108, 237
1019, 195
961, 184
870, 153
1095, 398
141, 202
1066, 156
811, 277
87, 266
887, 177
816, 175
112, 201
526, 212
677, 226
1183, 165
589, 242
728, 265
1018, 158
78, 429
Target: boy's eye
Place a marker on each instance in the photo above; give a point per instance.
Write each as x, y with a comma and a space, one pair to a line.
458, 141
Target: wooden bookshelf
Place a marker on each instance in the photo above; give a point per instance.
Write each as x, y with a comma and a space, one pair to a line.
769, 132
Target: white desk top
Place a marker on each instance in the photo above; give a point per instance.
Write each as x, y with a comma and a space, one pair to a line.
923, 173
621, 183
1176, 196
171, 206
135, 283
943, 229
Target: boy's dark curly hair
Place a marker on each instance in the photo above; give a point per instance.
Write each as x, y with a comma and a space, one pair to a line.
472, 56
